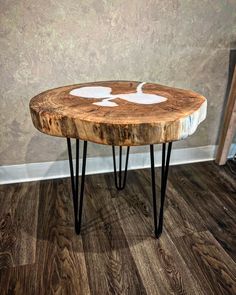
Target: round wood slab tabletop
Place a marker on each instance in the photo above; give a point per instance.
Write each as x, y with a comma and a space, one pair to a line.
119, 112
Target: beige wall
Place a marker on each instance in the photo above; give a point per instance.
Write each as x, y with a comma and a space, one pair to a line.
45, 43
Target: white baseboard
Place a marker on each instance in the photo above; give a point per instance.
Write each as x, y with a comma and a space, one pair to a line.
96, 165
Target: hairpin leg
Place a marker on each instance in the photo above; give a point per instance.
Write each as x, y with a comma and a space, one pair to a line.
78, 204
118, 179
164, 176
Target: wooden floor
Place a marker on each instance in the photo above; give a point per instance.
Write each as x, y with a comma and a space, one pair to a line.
117, 253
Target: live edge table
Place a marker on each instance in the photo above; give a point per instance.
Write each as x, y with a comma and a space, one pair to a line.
119, 113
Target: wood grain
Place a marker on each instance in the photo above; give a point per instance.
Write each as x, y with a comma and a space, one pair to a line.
20, 280
19, 205
168, 267
116, 252
105, 246
59, 113
200, 191
60, 262
229, 125
204, 254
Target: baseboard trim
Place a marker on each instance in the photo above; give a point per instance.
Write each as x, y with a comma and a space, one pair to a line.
97, 165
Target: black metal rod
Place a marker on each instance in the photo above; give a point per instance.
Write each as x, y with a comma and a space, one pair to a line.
114, 165
164, 177
126, 166
75, 182
77, 171
78, 227
154, 202
163, 163
163, 189
118, 178
120, 166
71, 167
118, 181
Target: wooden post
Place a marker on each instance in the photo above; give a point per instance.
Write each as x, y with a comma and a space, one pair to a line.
229, 125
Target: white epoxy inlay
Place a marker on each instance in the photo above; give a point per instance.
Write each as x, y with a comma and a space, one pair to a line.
92, 92
105, 92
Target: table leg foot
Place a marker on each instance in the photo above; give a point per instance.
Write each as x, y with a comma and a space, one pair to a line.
158, 227
120, 185
77, 203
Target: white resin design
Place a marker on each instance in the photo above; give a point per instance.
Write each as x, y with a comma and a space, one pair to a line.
92, 92
105, 92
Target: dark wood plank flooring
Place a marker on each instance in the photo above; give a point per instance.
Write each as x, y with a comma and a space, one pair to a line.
117, 252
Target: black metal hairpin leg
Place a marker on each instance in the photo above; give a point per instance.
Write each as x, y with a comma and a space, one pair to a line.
78, 204
164, 176
118, 179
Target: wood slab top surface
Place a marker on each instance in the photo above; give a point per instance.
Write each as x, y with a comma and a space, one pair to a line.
118, 112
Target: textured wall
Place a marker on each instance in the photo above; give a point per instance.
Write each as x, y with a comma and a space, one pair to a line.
45, 43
